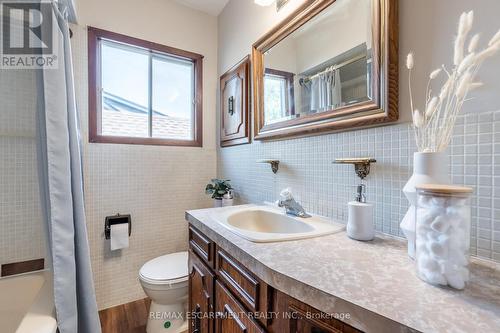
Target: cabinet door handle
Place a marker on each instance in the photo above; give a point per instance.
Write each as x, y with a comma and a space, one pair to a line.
228, 312
197, 320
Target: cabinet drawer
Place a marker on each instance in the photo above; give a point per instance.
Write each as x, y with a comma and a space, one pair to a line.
299, 317
254, 294
202, 246
230, 316
303, 321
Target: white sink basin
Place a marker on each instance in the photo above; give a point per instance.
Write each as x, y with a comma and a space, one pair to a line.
270, 224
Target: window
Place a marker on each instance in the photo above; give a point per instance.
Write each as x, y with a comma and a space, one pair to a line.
278, 95
143, 93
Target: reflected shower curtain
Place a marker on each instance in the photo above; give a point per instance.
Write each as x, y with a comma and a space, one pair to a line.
61, 187
325, 91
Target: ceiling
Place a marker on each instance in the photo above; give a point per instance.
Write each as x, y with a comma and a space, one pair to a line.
212, 7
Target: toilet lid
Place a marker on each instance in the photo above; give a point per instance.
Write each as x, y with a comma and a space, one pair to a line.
166, 268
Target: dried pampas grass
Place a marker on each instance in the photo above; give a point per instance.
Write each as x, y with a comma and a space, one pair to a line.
431, 107
495, 39
434, 74
474, 42
464, 26
418, 118
434, 127
409, 61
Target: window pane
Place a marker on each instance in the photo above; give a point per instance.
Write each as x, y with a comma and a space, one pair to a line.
274, 98
125, 95
173, 96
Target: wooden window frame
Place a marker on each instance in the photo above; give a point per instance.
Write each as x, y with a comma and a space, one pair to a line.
94, 36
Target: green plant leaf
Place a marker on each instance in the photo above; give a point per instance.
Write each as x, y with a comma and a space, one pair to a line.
218, 187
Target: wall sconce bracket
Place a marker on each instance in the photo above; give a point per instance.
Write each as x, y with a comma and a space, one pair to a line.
274, 164
361, 165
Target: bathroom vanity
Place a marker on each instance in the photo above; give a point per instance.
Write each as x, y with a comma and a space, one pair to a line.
229, 298
324, 284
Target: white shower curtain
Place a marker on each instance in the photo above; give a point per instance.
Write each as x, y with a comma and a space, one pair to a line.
325, 91
61, 187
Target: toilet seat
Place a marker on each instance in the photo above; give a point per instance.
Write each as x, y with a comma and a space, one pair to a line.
165, 281
169, 269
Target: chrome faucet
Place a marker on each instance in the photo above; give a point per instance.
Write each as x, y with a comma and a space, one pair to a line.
291, 206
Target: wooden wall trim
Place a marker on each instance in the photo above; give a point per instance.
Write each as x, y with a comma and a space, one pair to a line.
22, 267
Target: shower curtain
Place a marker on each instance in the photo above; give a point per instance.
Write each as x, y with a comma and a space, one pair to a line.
325, 91
61, 187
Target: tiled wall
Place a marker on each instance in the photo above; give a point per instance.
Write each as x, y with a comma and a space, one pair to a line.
325, 188
156, 188
21, 228
155, 184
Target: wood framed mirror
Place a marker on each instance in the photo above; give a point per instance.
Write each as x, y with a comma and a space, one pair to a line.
331, 65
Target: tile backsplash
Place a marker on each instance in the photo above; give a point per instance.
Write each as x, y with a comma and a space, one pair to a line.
325, 188
22, 234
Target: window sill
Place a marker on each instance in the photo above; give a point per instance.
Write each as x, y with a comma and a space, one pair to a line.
145, 141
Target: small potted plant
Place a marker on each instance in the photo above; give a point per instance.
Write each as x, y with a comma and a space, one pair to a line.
217, 188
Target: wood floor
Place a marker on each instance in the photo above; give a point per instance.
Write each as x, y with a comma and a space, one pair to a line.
126, 318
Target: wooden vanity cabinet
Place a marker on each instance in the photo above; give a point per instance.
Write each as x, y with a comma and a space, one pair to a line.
226, 297
202, 246
201, 295
297, 317
254, 295
231, 317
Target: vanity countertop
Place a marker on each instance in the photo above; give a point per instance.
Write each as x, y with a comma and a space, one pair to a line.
374, 282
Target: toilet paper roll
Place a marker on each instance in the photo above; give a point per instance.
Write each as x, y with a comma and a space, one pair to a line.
119, 236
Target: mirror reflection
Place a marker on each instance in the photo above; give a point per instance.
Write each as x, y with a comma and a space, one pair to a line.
324, 65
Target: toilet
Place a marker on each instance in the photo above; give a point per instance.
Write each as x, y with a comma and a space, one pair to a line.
165, 281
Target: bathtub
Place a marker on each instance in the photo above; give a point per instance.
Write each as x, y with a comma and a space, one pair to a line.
27, 304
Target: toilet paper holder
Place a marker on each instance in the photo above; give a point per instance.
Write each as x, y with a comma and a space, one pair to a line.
116, 219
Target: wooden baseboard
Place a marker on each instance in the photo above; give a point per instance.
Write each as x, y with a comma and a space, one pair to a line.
22, 267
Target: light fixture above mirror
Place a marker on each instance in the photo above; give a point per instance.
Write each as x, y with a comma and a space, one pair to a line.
264, 3
279, 3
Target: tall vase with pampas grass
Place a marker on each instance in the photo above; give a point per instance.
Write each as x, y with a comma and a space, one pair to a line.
433, 125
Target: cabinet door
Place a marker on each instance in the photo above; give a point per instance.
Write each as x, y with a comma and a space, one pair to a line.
297, 317
234, 104
305, 319
299, 324
231, 316
201, 295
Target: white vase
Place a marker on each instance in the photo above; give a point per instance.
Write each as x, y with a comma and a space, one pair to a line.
217, 203
427, 168
226, 202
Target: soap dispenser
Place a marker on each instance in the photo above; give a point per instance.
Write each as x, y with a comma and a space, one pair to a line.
360, 220
360, 224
